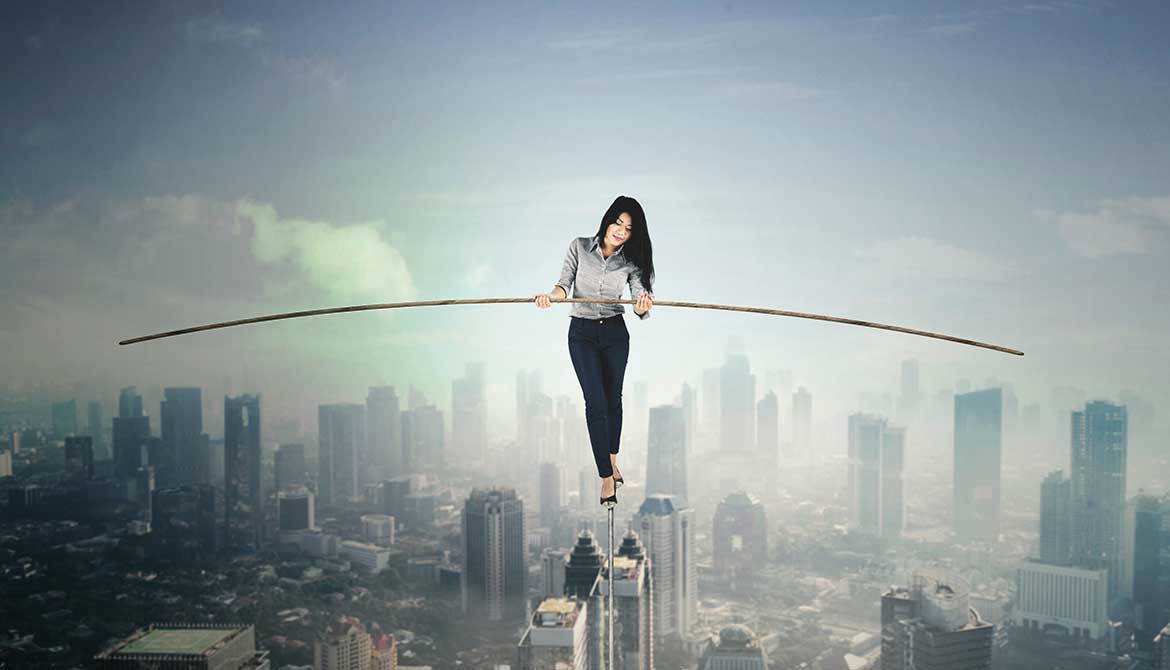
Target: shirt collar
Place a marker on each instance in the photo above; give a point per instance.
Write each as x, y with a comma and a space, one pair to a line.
597, 243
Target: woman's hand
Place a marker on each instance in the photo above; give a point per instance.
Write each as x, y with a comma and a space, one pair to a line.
645, 302
543, 300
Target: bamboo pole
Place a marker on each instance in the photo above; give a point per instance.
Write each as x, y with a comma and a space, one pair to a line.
487, 301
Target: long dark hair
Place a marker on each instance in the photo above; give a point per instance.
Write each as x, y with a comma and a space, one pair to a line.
637, 249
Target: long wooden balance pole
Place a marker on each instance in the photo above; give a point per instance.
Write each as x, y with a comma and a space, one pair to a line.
486, 301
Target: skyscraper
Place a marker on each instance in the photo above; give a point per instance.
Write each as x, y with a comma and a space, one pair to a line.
1098, 488
665, 526
185, 446
79, 456
737, 404
1146, 564
340, 430
768, 429
978, 431
64, 415
494, 581
740, 535
551, 494
469, 415
910, 397
100, 447
802, 426
243, 497
289, 466
666, 462
1054, 519
384, 430
874, 478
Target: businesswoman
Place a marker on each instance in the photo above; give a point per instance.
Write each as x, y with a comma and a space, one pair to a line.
599, 267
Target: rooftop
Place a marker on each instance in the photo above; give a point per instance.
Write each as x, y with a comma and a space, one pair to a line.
178, 641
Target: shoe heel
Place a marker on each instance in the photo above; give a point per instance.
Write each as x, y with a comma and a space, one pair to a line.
617, 483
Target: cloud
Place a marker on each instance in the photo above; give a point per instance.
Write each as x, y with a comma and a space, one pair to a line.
477, 276
776, 90
311, 71
952, 29
214, 28
928, 258
1132, 225
656, 41
349, 262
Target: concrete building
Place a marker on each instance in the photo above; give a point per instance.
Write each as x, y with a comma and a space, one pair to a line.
368, 557
1073, 599
197, 646
931, 626
556, 638
665, 526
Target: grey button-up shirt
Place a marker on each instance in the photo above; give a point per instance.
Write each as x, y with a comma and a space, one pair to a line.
591, 275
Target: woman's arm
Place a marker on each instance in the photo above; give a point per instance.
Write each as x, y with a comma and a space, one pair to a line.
568, 270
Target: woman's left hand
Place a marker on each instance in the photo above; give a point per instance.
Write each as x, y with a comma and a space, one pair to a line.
645, 302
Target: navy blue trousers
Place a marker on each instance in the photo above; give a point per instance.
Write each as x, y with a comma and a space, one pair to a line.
600, 349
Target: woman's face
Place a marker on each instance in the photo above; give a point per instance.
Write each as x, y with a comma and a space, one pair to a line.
619, 231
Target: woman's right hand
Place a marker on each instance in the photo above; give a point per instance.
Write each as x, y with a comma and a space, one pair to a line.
543, 300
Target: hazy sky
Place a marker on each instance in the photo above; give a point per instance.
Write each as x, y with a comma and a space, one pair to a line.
996, 171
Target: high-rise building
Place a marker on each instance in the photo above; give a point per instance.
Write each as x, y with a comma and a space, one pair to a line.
551, 494
740, 534
185, 520
633, 593
557, 636
289, 466
295, 510
552, 571
392, 495
768, 429
1098, 488
495, 554
910, 397
1054, 596
737, 648
710, 406
79, 456
130, 434
422, 438
341, 430
930, 625
64, 416
129, 402
243, 497
100, 447
583, 579
666, 462
185, 445
1054, 519
346, 644
195, 646
469, 415
665, 525
687, 399
802, 426
1145, 569
978, 434
874, 477
384, 430
1162, 649
737, 404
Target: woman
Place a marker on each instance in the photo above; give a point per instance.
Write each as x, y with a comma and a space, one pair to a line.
599, 344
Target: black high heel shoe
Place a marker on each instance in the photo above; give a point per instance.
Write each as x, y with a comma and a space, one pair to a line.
617, 483
610, 501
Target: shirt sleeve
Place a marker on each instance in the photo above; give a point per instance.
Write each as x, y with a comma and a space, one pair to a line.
634, 279
569, 269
